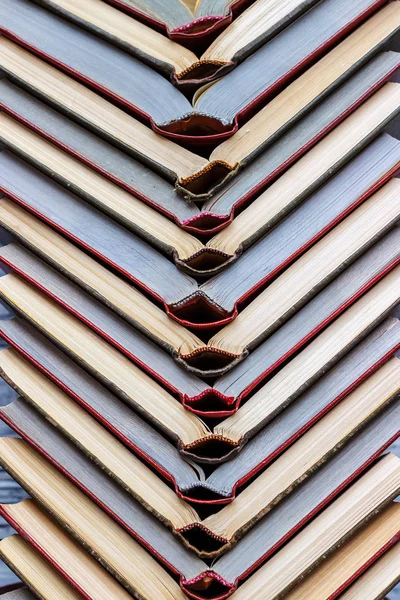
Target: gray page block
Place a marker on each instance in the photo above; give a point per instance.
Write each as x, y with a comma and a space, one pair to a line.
21, 594
138, 347
95, 60
331, 299
316, 213
114, 162
93, 229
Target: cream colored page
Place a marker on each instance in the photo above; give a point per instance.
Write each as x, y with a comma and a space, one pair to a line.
312, 359
247, 27
379, 578
354, 555
315, 266
102, 114
35, 570
333, 149
106, 360
131, 31
308, 86
63, 551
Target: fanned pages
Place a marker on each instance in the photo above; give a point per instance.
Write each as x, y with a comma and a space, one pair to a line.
298, 373
360, 177
101, 155
130, 134
121, 554
299, 507
213, 108
107, 408
91, 479
301, 136
105, 285
310, 272
122, 335
363, 273
314, 83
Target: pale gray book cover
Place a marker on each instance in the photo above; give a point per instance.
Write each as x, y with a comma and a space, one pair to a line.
21, 594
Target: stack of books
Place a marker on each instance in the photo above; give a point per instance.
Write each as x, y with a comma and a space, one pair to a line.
204, 277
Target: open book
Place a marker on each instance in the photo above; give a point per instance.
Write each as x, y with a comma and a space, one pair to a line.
281, 523
191, 434
190, 22
194, 172
260, 22
217, 212
372, 491
352, 237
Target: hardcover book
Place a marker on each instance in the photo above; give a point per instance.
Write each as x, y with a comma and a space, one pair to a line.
200, 271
